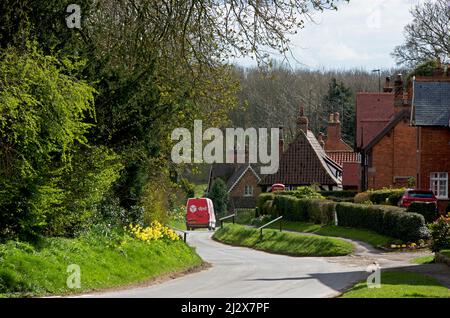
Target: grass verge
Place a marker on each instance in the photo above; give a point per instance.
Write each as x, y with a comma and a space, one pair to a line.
423, 260
282, 242
366, 236
400, 285
27, 270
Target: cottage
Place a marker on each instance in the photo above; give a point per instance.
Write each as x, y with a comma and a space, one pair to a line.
241, 181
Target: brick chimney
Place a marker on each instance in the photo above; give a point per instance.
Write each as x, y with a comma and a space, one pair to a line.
333, 132
387, 85
398, 91
281, 142
302, 121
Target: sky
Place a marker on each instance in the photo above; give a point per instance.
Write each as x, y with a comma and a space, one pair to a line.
361, 34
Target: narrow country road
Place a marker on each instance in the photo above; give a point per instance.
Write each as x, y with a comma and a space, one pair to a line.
243, 272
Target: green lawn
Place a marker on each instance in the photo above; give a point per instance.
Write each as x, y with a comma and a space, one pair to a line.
27, 270
178, 224
245, 216
282, 242
366, 236
423, 260
445, 253
400, 285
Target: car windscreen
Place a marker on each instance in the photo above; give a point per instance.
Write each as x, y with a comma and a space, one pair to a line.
421, 195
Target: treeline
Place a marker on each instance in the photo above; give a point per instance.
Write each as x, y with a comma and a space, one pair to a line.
272, 98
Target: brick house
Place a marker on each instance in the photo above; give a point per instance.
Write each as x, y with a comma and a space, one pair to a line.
341, 153
431, 117
305, 163
241, 181
385, 138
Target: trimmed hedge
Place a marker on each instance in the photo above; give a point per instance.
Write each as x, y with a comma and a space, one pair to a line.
382, 196
428, 210
260, 204
314, 210
387, 220
339, 194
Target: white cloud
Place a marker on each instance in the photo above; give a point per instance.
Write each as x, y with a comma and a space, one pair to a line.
361, 33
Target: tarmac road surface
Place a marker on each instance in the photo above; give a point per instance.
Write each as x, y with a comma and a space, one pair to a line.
238, 272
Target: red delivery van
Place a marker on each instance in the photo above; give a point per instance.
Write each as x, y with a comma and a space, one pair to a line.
200, 214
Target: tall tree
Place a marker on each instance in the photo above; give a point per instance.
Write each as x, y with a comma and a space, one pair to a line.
428, 36
340, 99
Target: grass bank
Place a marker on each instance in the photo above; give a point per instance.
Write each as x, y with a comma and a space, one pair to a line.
400, 285
366, 236
282, 242
27, 270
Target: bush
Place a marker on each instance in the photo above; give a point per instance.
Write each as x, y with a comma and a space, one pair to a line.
390, 221
339, 194
394, 198
307, 193
428, 210
440, 234
263, 197
321, 211
291, 208
361, 197
219, 196
382, 196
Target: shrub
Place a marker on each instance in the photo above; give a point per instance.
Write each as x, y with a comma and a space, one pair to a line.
390, 221
263, 197
307, 193
219, 196
428, 210
440, 234
361, 197
291, 208
339, 194
261, 220
394, 198
382, 196
320, 211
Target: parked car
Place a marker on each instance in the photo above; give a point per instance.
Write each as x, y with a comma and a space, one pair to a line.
277, 187
414, 195
200, 214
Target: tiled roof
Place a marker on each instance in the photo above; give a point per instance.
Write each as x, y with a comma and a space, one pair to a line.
228, 172
431, 104
304, 163
344, 156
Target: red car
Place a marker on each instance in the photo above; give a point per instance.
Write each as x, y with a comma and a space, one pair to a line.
411, 196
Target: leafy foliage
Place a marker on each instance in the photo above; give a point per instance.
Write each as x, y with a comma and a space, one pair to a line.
219, 196
428, 210
440, 234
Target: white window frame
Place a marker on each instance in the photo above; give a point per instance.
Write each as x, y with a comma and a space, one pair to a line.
248, 191
439, 190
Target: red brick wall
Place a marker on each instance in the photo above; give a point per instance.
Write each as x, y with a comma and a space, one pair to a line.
351, 175
434, 152
373, 112
249, 178
394, 156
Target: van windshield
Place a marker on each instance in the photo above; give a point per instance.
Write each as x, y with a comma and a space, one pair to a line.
421, 195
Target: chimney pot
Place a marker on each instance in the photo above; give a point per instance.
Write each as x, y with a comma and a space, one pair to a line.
336, 118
